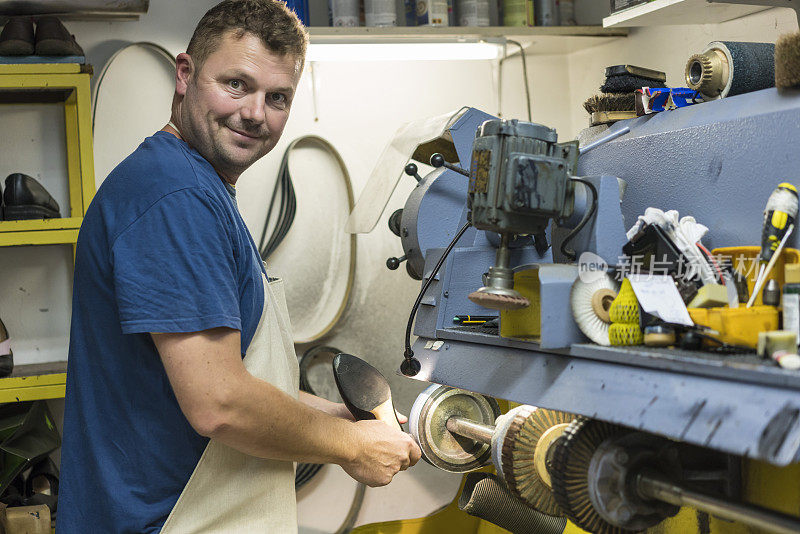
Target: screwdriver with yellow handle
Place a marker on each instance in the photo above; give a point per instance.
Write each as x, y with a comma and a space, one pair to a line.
779, 218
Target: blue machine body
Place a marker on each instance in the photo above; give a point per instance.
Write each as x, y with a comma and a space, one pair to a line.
717, 161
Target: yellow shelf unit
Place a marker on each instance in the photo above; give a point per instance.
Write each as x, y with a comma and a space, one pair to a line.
34, 382
49, 83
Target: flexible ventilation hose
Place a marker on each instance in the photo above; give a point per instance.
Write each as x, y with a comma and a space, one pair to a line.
484, 496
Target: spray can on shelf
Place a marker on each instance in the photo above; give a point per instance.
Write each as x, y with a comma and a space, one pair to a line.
472, 12
518, 12
410, 8
432, 13
566, 12
545, 12
380, 13
344, 13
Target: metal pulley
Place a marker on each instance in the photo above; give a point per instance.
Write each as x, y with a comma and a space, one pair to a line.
460, 431
428, 425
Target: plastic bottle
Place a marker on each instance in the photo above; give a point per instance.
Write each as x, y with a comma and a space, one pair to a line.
791, 298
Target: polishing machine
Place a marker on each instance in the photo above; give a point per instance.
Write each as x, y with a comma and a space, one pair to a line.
507, 222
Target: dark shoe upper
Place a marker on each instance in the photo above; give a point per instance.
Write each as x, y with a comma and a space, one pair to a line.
6, 354
24, 190
17, 37
53, 39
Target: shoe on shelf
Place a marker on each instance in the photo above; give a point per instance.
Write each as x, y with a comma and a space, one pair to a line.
25, 198
17, 37
6, 355
41, 485
53, 39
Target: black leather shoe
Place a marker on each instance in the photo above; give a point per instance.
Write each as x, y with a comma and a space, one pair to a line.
25, 198
6, 356
17, 37
53, 39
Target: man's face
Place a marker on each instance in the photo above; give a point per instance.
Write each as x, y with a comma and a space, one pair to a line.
235, 107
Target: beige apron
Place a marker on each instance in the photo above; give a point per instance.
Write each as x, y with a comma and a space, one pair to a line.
230, 491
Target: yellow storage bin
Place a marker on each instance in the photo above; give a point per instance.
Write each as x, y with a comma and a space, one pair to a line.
739, 326
745, 260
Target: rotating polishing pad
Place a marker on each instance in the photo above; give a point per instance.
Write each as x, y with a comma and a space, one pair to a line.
590, 303
494, 300
520, 450
427, 423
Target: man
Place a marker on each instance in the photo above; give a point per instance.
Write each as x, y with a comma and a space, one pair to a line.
182, 412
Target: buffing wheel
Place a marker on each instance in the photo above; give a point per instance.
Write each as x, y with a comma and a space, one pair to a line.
427, 423
524, 451
497, 301
570, 473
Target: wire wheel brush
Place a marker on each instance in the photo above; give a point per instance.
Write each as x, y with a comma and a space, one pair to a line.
569, 471
524, 456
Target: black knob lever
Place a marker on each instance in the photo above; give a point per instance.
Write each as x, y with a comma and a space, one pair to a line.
394, 263
411, 170
437, 160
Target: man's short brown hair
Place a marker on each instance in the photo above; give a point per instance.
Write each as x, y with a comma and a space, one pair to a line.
276, 25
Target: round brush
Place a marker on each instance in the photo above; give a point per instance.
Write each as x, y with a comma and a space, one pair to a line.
590, 304
787, 61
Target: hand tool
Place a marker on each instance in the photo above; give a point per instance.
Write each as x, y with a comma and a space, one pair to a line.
779, 217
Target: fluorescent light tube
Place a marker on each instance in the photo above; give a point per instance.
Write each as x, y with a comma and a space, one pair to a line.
401, 51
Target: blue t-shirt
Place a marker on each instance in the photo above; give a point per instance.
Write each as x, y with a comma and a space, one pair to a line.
162, 248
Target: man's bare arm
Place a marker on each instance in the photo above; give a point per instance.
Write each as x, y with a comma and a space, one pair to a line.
223, 401
336, 409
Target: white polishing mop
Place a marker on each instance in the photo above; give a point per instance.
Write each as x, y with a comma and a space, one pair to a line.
590, 304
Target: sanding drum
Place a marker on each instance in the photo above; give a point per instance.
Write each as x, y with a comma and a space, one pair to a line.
729, 68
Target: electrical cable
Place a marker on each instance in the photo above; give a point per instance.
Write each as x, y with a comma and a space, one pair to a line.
570, 254
158, 49
283, 204
524, 76
286, 211
411, 366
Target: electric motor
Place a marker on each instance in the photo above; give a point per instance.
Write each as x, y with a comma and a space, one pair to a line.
519, 177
